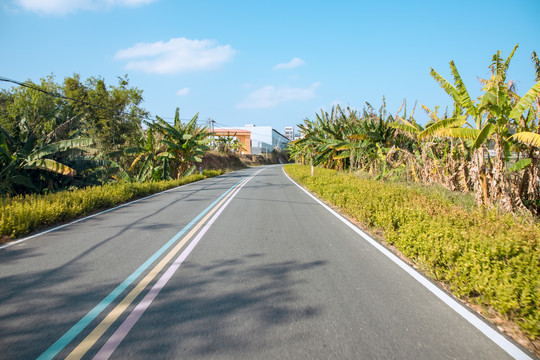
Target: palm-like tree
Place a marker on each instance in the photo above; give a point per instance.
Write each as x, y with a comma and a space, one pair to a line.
185, 143
25, 160
489, 120
323, 139
229, 143
526, 117
147, 165
343, 140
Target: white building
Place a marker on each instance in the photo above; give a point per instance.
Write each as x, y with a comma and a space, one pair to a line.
289, 133
264, 139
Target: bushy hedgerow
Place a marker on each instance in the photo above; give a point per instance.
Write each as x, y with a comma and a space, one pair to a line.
485, 258
23, 214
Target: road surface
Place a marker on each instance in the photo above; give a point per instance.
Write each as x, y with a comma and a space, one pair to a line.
242, 266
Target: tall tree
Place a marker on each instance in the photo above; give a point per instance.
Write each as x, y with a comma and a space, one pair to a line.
488, 121
110, 114
185, 142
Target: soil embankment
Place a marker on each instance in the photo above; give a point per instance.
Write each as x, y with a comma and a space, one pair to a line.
214, 160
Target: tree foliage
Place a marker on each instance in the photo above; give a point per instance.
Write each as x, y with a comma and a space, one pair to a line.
77, 133
473, 148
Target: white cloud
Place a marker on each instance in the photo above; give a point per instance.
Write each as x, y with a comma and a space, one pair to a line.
295, 62
182, 92
62, 7
270, 96
175, 56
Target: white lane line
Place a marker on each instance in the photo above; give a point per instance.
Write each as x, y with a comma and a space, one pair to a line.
114, 341
492, 334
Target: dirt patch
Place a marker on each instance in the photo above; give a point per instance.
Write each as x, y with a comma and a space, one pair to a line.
213, 160
256, 160
275, 157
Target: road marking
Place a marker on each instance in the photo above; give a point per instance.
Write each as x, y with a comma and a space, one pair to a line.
108, 348
492, 334
61, 343
113, 315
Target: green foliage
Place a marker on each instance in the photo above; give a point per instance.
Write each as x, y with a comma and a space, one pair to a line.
520, 165
29, 165
185, 143
229, 144
46, 131
114, 117
41, 113
346, 139
25, 213
45, 135
468, 150
488, 259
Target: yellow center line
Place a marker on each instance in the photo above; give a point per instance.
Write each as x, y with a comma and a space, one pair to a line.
100, 329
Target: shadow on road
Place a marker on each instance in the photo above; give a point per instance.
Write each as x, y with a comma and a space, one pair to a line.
39, 306
234, 306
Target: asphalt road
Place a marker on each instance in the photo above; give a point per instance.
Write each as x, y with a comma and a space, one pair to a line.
273, 275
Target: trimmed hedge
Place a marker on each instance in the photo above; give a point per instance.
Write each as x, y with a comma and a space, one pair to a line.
22, 214
488, 259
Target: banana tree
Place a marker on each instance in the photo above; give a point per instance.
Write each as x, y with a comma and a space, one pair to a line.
526, 117
229, 143
185, 143
505, 110
488, 120
342, 140
311, 138
322, 138
466, 123
148, 165
22, 158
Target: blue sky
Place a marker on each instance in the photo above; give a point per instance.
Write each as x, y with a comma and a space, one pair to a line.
269, 62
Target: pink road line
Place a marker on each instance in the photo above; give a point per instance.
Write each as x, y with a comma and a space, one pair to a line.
110, 346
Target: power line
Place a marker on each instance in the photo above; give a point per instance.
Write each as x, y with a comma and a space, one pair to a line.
222, 124
57, 95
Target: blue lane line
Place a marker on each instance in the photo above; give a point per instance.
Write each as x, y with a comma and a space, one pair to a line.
61, 343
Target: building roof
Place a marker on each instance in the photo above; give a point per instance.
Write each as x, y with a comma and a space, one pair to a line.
232, 131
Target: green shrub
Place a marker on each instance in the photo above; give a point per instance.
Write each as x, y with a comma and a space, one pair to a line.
23, 214
485, 258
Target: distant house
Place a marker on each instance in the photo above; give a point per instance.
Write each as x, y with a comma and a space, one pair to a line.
262, 139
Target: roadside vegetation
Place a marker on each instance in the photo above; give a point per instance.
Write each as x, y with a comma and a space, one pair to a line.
70, 149
71, 135
489, 147
23, 214
483, 257
459, 197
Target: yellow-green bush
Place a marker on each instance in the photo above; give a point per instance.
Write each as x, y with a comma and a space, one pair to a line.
23, 214
486, 258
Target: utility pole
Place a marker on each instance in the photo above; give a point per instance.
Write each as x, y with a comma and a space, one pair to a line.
211, 123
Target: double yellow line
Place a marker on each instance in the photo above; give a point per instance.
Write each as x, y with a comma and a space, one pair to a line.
87, 343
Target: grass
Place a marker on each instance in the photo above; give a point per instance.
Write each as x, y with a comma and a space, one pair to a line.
23, 214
